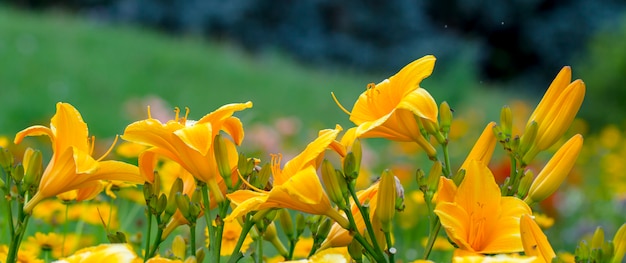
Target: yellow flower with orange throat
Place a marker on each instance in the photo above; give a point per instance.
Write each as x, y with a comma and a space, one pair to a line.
72, 166
475, 215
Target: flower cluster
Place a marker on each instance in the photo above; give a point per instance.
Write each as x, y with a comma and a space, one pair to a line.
186, 174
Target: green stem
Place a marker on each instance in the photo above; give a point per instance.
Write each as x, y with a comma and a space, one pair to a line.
244, 233
447, 171
65, 223
292, 248
192, 228
223, 209
434, 231
514, 177
259, 248
157, 240
207, 218
366, 219
16, 240
368, 248
147, 247
9, 213
391, 251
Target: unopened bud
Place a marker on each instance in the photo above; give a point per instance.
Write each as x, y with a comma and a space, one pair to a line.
619, 244
179, 247
221, 157
262, 177
506, 121
458, 177
528, 139
332, 183
199, 255
598, 238
434, 175
421, 179
433, 129
245, 165
386, 200
323, 230
117, 237
524, 184
300, 224
183, 203
18, 172
445, 117
161, 204
34, 168
177, 187
555, 171
286, 223
6, 159
356, 250
350, 166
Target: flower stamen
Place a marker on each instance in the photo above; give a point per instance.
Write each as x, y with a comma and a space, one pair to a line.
339, 104
109, 150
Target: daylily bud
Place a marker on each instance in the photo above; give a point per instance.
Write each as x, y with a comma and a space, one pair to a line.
2, 184
221, 157
504, 189
386, 200
245, 165
18, 173
194, 212
357, 150
598, 238
117, 237
270, 232
286, 223
33, 164
524, 184
458, 177
421, 179
534, 240
356, 250
483, 148
445, 117
528, 138
555, 171
262, 177
161, 204
434, 175
499, 133
433, 129
332, 183
199, 255
300, 224
183, 203
582, 251
177, 187
179, 247
506, 121
619, 244
350, 166
6, 159
323, 230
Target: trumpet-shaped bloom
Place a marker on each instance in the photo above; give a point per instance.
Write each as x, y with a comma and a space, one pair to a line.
476, 217
388, 109
187, 142
557, 109
535, 241
296, 186
555, 171
72, 166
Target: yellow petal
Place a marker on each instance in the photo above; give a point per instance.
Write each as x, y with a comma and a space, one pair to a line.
534, 241
224, 112
446, 191
234, 128
421, 103
246, 201
455, 220
69, 128
483, 148
36, 130
197, 137
557, 86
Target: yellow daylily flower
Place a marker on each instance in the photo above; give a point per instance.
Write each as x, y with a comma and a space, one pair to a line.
557, 109
461, 256
555, 171
389, 108
189, 143
535, 241
296, 186
476, 217
72, 166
